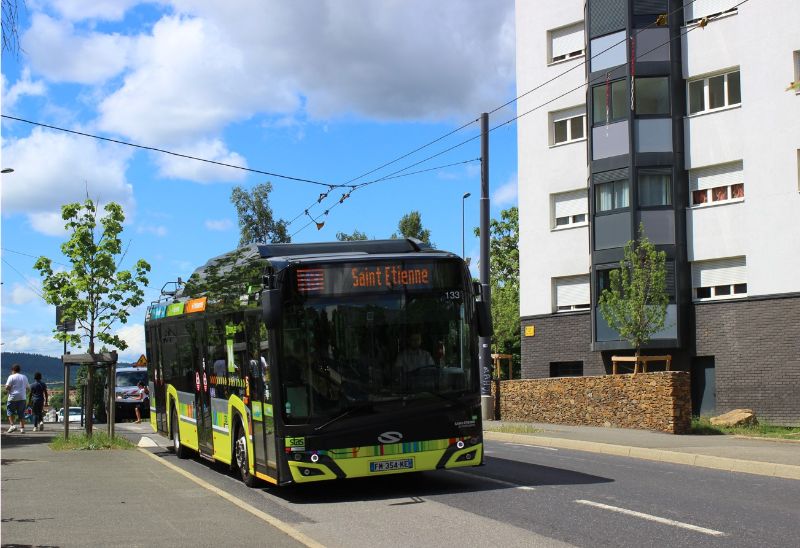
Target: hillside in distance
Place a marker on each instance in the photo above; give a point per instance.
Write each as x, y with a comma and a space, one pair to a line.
51, 368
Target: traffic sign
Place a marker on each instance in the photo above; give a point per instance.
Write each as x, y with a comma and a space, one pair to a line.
141, 362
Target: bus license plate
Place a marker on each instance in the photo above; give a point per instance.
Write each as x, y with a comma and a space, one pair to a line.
389, 465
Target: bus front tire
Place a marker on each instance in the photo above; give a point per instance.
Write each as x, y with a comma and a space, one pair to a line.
241, 456
180, 450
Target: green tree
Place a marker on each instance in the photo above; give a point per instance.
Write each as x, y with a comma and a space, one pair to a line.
410, 226
57, 401
504, 281
355, 236
256, 221
635, 304
94, 292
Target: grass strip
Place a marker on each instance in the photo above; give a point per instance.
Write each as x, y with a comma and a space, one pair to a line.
80, 442
703, 427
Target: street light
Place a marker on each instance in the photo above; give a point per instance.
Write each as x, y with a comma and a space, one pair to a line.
7, 170
463, 201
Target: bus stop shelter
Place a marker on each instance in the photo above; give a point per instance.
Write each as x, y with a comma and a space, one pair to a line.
98, 360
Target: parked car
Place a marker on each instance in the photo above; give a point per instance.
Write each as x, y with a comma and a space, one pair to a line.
127, 392
74, 414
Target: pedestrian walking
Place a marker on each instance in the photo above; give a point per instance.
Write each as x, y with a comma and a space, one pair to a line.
38, 399
17, 388
144, 396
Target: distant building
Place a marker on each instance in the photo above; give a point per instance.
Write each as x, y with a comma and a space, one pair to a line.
704, 151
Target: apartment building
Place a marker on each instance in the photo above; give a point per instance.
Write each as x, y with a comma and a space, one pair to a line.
676, 115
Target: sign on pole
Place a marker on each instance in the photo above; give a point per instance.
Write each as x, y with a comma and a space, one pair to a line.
61, 324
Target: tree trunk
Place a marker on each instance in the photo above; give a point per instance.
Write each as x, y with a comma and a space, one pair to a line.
89, 389
636, 363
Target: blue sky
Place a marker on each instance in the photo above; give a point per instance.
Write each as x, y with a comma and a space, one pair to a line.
323, 90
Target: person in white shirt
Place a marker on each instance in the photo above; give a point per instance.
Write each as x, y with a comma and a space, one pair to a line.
17, 388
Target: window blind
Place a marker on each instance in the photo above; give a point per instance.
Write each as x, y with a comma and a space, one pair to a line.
713, 176
568, 113
566, 40
571, 203
572, 290
727, 271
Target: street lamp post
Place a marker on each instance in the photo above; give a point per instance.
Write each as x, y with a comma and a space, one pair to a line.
463, 201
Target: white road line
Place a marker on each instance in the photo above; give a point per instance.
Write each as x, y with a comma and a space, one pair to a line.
657, 519
493, 480
533, 446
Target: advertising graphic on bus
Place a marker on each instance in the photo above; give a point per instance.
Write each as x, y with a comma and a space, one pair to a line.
296, 363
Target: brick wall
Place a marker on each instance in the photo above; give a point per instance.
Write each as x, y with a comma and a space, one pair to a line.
756, 348
559, 338
650, 401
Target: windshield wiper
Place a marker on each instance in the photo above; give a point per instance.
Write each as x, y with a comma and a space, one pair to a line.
347, 412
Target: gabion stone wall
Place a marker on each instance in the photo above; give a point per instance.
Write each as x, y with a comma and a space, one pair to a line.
650, 401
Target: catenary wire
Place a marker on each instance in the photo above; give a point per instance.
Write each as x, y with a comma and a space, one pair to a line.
171, 153
25, 279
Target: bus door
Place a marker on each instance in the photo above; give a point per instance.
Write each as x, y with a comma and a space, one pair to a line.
201, 388
259, 379
156, 376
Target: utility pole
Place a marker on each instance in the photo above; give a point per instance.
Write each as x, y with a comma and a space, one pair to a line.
484, 343
66, 389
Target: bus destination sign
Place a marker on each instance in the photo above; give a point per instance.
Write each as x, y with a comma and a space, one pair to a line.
361, 277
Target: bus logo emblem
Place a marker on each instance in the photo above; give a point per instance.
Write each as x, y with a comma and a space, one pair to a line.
390, 437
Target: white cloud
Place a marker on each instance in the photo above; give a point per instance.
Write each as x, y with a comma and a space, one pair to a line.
61, 54
23, 294
220, 225
73, 166
133, 334
36, 342
506, 194
174, 167
157, 230
22, 87
389, 60
48, 223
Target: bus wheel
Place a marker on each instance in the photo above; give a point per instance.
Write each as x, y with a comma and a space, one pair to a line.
240, 454
180, 450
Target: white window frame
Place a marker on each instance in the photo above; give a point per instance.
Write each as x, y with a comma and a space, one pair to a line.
574, 307
567, 115
710, 202
732, 263
573, 219
577, 27
706, 101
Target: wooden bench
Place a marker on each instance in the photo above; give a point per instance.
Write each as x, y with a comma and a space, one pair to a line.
644, 360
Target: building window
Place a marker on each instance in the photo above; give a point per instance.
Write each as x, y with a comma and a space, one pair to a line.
569, 209
609, 103
608, 51
571, 293
566, 369
714, 92
716, 184
565, 43
568, 126
655, 188
652, 96
719, 279
612, 196
698, 9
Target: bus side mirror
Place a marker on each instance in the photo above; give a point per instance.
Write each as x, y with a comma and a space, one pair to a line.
271, 307
482, 312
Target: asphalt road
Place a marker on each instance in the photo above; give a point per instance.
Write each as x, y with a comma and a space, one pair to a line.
534, 496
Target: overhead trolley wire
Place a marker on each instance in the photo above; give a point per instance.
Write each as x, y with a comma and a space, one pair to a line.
171, 153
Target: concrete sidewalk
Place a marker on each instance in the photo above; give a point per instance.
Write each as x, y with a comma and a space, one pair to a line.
115, 498
766, 457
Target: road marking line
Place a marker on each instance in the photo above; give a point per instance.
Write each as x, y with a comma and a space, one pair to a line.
494, 480
533, 446
275, 522
650, 517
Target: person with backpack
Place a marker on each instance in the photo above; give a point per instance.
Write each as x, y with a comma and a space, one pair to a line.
17, 387
144, 396
38, 399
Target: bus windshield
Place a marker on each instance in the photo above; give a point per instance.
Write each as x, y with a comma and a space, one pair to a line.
341, 353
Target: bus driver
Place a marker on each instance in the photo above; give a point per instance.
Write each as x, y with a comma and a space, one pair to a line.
412, 358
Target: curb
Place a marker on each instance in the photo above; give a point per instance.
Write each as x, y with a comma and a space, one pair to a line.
771, 469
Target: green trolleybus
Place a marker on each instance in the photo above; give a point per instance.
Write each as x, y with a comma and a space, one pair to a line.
296, 363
